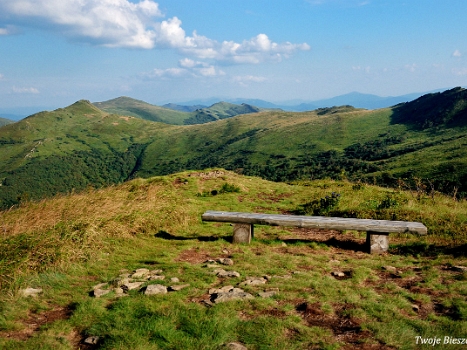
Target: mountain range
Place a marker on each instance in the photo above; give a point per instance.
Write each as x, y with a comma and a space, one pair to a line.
73, 148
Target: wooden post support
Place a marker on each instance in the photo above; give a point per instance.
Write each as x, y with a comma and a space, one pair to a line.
377, 242
242, 233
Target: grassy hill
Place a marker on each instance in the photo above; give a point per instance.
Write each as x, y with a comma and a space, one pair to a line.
80, 146
68, 245
4, 121
143, 110
217, 111
140, 109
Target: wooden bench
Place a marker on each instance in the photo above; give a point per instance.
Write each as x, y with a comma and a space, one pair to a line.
377, 240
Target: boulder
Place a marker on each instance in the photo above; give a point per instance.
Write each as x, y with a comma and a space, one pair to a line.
153, 289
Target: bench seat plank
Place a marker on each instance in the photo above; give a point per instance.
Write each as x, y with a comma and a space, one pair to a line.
320, 222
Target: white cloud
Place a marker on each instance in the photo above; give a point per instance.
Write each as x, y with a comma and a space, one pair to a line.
113, 23
188, 68
121, 23
460, 71
456, 53
244, 80
2, 76
30, 90
366, 69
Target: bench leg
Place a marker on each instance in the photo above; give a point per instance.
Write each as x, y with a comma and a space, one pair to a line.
377, 242
242, 233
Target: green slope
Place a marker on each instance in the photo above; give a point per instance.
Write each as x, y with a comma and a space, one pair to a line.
4, 121
221, 110
81, 146
70, 148
140, 109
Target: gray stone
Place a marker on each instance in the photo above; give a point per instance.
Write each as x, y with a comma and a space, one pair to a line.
253, 281
31, 292
140, 273
225, 261
236, 346
97, 293
155, 272
153, 289
234, 294
242, 233
156, 278
174, 280
178, 287
91, 340
228, 274
221, 290
459, 268
131, 286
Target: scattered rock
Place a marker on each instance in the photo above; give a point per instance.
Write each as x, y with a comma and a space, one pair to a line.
97, 293
31, 292
223, 273
283, 277
235, 346
131, 285
415, 307
334, 261
391, 269
232, 294
91, 340
225, 261
178, 287
254, 281
174, 280
225, 251
267, 277
140, 273
338, 274
283, 244
220, 290
459, 268
155, 289
156, 278
210, 261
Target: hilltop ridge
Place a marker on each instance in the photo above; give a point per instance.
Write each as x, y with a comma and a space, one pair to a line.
80, 145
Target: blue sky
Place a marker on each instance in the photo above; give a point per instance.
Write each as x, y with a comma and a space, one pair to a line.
55, 52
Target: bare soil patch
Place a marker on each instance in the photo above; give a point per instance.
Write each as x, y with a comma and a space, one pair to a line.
35, 321
346, 329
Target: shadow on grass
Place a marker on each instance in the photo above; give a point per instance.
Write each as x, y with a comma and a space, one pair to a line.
331, 242
429, 250
168, 236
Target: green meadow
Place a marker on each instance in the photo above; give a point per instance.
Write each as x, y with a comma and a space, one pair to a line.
68, 244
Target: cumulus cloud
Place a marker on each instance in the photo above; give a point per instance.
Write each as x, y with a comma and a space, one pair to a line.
121, 23
114, 23
23, 90
187, 68
457, 53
